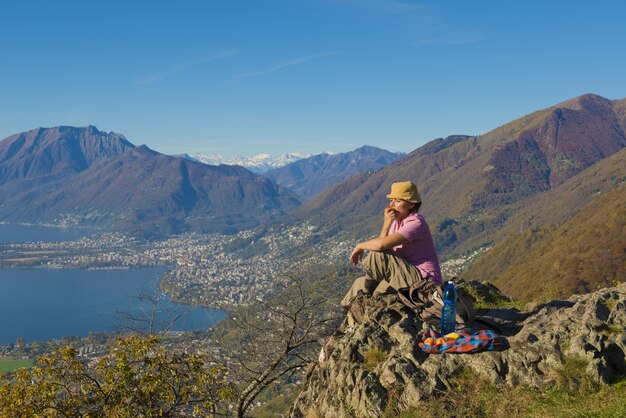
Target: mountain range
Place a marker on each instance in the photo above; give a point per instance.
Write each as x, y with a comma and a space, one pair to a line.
68, 175
470, 184
259, 163
529, 181
311, 176
82, 176
308, 175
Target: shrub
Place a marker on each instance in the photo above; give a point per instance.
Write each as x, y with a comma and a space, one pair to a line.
138, 377
374, 357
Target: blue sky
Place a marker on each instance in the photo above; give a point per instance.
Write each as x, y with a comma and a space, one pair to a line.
244, 77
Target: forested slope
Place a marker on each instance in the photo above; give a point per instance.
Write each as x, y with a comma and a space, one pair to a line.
579, 255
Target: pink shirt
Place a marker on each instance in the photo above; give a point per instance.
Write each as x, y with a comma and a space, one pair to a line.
420, 250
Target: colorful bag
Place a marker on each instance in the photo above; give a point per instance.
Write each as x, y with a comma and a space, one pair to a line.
462, 341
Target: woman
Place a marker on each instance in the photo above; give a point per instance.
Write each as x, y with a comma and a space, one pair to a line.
403, 253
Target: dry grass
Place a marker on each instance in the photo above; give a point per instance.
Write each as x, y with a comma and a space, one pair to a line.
374, 357
489, 300
575, 395
577, 255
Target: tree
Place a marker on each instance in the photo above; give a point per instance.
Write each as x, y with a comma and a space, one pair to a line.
146, 318
273, 341
138, 377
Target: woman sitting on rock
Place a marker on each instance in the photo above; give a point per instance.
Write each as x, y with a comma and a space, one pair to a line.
403, 253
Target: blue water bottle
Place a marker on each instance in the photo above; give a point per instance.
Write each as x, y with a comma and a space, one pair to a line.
448, 312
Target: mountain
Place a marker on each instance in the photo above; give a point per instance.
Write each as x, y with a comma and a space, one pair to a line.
258, 164
44, 154
471, 185
311, 176
86, 177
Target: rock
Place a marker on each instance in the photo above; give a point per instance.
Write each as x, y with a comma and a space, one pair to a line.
347, 382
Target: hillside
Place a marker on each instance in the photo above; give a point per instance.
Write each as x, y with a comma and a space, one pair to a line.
311, 176
557, 204
579, 255
65, 176
471, 186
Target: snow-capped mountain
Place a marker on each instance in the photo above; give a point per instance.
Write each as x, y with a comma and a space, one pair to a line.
259, 163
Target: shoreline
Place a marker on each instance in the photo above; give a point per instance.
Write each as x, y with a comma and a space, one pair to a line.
49, 225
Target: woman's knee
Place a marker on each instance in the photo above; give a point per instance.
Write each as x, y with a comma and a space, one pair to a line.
373, 260
376, 265
364, 283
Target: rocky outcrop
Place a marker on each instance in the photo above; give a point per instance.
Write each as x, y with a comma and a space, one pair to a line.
373, 361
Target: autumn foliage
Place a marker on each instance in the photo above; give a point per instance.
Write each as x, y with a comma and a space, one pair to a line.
579, 255
138, 377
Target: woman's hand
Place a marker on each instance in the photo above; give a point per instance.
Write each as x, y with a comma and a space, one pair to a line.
389, 215
357, 255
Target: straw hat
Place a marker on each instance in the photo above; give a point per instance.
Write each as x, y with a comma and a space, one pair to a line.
405, 190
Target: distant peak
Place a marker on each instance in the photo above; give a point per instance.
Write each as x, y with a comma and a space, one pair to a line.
259, 163
368, 148
372, 149
89, 129
65, 128
143, 149
186, 157
580, 102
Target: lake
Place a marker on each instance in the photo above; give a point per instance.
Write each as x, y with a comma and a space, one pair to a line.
30, 233
41, 304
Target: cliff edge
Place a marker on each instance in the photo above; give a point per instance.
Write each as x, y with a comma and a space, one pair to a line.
373, 362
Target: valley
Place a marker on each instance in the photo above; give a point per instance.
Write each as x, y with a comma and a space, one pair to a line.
195, 219
501, 206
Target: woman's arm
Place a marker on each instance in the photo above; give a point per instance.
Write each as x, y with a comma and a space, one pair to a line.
376, 244
381, 244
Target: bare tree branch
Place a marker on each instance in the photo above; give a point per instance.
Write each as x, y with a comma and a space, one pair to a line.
273, 341
147, 323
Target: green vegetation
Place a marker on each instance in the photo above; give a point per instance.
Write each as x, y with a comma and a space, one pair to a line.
278, 405
610, 304
373, 358
610, 330
10, 365
138, 377
573, 376
248, 247
574, 395
487, 297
